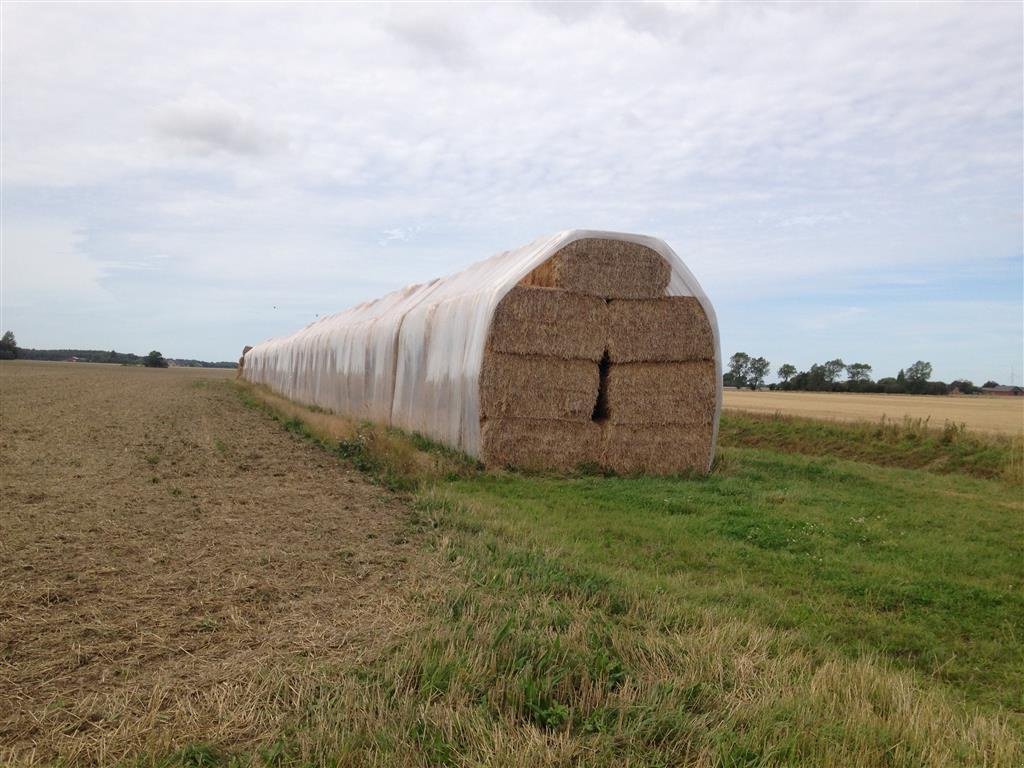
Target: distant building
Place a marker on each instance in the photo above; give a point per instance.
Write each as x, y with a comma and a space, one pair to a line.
1004, 390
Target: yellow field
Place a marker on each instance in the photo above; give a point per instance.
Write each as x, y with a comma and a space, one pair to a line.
982, 413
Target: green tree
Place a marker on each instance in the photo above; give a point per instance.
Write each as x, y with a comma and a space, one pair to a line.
738, 368
919, 372
917, 376
786, 372
154, 360
8, 346
832, 369
757, 369
858, 372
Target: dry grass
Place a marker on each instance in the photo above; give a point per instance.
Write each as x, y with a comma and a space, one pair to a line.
1003, 415
170, 560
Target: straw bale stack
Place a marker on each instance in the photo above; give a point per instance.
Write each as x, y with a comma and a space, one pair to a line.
537, 387
583, 347
667, 329
611, 269
548, 321
588, 362
241, 362
539, 444
651, 394
669, 449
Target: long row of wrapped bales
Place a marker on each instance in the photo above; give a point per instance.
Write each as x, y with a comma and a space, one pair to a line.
584, 348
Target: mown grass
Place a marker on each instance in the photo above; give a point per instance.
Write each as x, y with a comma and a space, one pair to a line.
787, 610
908, 443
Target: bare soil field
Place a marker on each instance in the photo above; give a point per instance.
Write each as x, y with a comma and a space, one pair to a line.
172, 561
1003, 415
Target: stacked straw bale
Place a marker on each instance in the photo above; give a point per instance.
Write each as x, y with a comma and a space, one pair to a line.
580, 348
588, 362
241, 362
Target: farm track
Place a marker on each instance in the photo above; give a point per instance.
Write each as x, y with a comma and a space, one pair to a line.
170, 559
1003, 415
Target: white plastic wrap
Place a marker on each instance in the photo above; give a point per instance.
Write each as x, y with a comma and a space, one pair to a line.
412, 358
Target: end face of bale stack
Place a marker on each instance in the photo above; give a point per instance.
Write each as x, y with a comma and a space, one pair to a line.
588, 362
241, 362
610, 269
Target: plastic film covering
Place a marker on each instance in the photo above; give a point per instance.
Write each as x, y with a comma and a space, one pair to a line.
412, 359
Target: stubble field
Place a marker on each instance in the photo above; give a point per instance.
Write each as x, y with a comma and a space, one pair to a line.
199, 573
1003, 415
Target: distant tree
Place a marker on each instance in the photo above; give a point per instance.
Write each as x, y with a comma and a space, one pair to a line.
757, 369
901, 378
786, 372
799, 382
154, 360
817, 378
964, 386
739, 368
990, 384
919, 372
8, 346
890, 385
832, 369
858, 372
917, 376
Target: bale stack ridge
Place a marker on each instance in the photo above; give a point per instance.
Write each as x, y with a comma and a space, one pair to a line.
588, 362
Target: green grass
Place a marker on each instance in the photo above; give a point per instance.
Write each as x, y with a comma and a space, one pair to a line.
910, 443
921, 570
788, 610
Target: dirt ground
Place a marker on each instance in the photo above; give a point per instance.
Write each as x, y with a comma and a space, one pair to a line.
982, 413
170, 558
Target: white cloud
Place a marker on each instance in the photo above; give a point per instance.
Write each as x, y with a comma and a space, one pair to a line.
779, 148
211, 124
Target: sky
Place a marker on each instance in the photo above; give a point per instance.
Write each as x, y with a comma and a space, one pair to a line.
844, 180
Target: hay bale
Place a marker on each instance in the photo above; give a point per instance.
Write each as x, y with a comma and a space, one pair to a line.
530, 386
539, 443
546, 321
668, 449
241, 362
607, 268
673, 328
661, 393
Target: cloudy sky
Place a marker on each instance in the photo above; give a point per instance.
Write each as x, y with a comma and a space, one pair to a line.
844, 180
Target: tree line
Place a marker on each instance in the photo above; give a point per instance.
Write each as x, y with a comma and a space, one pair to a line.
9, 350
837, 376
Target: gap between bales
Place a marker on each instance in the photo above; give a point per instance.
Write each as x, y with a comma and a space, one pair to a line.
543, 654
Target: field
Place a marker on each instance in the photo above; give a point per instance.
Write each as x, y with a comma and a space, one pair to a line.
200, 573
1003, 415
